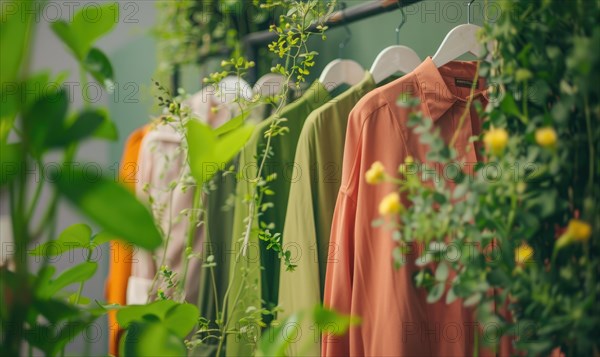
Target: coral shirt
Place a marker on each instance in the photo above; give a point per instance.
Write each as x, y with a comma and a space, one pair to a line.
361, 279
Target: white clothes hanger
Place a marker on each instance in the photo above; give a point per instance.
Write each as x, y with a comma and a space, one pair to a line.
269, 85
342, 71
219, 97
460, 40
395, 59
230, 87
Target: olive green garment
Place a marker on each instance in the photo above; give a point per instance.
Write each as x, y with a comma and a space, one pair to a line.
219, 216
252, 285
311, 203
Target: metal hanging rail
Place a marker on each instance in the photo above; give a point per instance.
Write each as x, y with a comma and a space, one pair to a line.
352, 14
252, 41
346, 16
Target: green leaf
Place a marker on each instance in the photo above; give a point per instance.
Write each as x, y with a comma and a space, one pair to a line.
15, 30
332, 322
159, 309
38, 336
89, 24
103, 237
441, 273
83, 300
99, 67
15, 35
112, 206
73, 237
231, 143
201, 145
55, 310
472, 300
77, 232
107, 129
67, 333
84, 125
151, 338
75, 274
450, 296
93, 22
44, 278
206, 149
44, 121
509, 106
8, 112
231, 124
498, 277
20, 96
10, 161
274, 341
460, 190
180, 319
435, 293
63, 30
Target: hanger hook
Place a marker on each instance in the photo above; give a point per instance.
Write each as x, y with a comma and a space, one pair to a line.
344, 42
401, 23
469, 11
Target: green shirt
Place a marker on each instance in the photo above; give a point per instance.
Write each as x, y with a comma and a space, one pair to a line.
311, 203
219, 215
247, 293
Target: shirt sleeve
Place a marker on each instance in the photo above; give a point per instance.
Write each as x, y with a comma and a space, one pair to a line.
299, 290
340, 264
340, 259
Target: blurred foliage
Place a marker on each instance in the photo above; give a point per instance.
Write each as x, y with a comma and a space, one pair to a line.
192, 31
525, 222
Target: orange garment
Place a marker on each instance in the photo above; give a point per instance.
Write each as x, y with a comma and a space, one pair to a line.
121, 253
361, 279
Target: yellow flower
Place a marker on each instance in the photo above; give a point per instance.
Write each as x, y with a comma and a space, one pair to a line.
577, 231
546, 137
523, 254
390, 204
496, 140
375, 174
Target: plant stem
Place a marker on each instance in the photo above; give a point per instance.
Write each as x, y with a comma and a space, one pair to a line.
81, 284
588, 122
212, 269
36, 195
222, 339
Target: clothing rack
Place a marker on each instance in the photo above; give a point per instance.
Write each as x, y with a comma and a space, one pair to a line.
252, 41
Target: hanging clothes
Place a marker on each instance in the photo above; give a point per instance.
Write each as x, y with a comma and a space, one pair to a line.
250, 283
121, 253
318, 169
219, 219
218, 243
361, 279
162, 162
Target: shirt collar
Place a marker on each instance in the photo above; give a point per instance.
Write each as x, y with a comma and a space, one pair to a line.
435, 94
